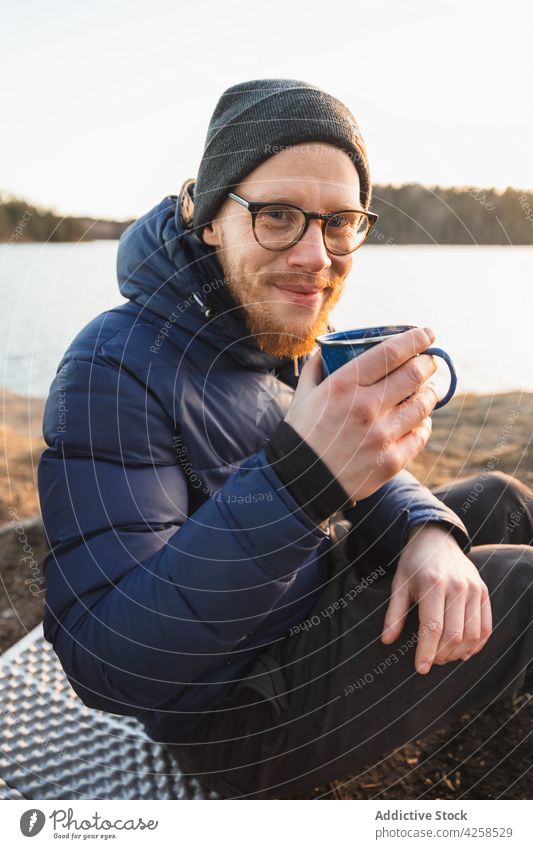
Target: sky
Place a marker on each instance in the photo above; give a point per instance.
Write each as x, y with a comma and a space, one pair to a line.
106, 104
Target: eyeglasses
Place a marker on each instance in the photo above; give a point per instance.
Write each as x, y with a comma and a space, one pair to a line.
278, 226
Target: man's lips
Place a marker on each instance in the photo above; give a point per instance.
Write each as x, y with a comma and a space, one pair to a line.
308, 295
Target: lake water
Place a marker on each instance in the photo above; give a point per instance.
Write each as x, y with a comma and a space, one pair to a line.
479, 300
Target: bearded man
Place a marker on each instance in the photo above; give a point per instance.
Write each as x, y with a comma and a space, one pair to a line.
238, 556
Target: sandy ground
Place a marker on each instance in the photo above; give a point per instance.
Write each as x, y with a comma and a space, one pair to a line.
483, 756
21, 445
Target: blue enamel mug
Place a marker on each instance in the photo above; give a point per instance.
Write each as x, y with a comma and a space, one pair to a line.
343, 345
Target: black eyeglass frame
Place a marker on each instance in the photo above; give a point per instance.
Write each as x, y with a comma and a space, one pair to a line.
254, 207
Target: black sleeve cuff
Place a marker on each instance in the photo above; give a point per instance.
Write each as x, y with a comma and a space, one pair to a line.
305, 475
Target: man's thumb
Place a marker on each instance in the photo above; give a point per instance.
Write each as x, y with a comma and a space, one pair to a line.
395, 615
311, 374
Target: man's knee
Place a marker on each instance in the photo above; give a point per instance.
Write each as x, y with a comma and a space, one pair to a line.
497, 484
501, 483
467, 495
494, 489
509, 494
497, 564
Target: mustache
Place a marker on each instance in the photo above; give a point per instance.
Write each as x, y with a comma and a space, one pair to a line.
298, 278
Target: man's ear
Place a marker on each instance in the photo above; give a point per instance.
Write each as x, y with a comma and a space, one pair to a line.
210, 236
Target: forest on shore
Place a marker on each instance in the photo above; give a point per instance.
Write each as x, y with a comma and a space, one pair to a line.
415, 214
408, 214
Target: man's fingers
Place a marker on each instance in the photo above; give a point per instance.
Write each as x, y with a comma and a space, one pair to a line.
382, 359
454, 626
477, 628
396, 453
396, 612
406, 380
472, 632
431, 619
485, 622
407, 416
486, 614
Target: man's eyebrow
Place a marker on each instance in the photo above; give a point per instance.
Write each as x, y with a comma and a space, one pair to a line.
277, 198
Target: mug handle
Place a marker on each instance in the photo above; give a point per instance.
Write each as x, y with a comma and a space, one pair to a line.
438, 352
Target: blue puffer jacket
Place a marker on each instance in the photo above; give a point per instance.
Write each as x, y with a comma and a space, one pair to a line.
176, 554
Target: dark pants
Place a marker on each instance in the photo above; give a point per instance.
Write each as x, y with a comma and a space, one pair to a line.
330, 699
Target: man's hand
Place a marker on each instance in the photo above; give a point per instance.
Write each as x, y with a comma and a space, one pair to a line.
370, 417
454, 611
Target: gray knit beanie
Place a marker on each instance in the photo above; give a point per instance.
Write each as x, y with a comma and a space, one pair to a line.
256, 119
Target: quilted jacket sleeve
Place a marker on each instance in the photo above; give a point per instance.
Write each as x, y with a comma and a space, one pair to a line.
141, 598
387, 516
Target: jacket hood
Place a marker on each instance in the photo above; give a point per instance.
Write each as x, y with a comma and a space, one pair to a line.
161, 264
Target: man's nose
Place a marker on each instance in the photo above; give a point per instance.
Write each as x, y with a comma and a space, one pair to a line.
310, 252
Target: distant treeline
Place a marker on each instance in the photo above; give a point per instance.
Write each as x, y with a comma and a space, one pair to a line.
408, 214
415, 214
21, 221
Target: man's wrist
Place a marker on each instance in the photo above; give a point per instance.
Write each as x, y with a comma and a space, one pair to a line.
435, 526
305, 475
